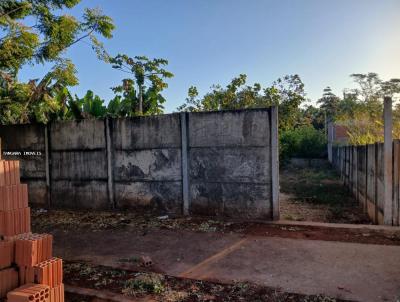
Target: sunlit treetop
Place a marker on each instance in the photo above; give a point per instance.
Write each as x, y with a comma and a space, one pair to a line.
37, 31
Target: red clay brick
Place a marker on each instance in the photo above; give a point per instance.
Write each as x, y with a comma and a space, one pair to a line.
6, 253
15, 222
31, 249
8, 281
49, 272
30, 292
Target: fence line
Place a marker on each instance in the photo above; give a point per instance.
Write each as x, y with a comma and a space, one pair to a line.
362, 171
202, 163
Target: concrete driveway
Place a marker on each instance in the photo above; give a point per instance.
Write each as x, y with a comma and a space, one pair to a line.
354, 271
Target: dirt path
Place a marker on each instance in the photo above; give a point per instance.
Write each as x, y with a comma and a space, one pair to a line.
312, 194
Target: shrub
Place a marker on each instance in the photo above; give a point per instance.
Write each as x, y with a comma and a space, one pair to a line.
304, 142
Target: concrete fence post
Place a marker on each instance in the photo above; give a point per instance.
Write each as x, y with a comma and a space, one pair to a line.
355, 159
185, 162
388, 162
275, 163
330, 141
110, 178
47, 164
396, 182
366, 181
376, 170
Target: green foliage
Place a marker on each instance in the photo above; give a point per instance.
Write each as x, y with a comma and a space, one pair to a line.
313, 116
46, 41
37, 100
329, 102
51, 35
361, 109
142, 93
287, 93
90, 106
304, 142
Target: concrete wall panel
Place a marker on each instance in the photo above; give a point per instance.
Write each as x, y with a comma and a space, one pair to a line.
147, 165
380, 180
28, 138
162, 131
161, 197
230, 128
79, 194
230, 165
79, 165
238, 200
78, 135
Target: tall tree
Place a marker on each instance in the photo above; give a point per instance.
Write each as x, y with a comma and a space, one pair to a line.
38, 31
149, 80
329, 102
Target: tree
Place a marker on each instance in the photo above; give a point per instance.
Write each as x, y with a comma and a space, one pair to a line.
361, 109
36, 100
49, 35
90, 106
313, 116
287, 93
32, 32
144, 99
329, 102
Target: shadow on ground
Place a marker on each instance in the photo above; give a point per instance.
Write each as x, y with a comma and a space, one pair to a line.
317, 194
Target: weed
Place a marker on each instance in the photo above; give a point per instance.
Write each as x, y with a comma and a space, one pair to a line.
144, 283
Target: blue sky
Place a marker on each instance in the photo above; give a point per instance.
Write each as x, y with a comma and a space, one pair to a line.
211, 41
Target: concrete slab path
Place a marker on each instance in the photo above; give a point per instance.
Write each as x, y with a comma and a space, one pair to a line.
360, 272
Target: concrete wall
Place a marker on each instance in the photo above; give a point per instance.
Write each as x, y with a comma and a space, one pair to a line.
78, 164
24, 138
228, 174
224, 163
147, 163
365, 178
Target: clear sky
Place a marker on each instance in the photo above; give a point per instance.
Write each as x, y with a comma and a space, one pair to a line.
211, 41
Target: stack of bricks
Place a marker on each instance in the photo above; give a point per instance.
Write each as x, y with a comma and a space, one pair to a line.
28, 270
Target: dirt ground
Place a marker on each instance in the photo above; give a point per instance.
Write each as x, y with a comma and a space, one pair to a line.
102, 251
312, 194
69, 221
157, 287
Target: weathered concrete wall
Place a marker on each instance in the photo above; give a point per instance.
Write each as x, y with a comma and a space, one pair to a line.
365, 177
221, 166
229, 172
362, 175
78, 164
24, 138
147, 163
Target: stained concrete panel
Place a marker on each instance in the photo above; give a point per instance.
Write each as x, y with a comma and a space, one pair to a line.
147, 165
79, 194
37, 192
231, 199
28, 137
230, 128
230, 164
78, 135
161, 197
160, 131
79, 165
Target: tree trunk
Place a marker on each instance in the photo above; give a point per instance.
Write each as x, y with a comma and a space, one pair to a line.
140, 100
